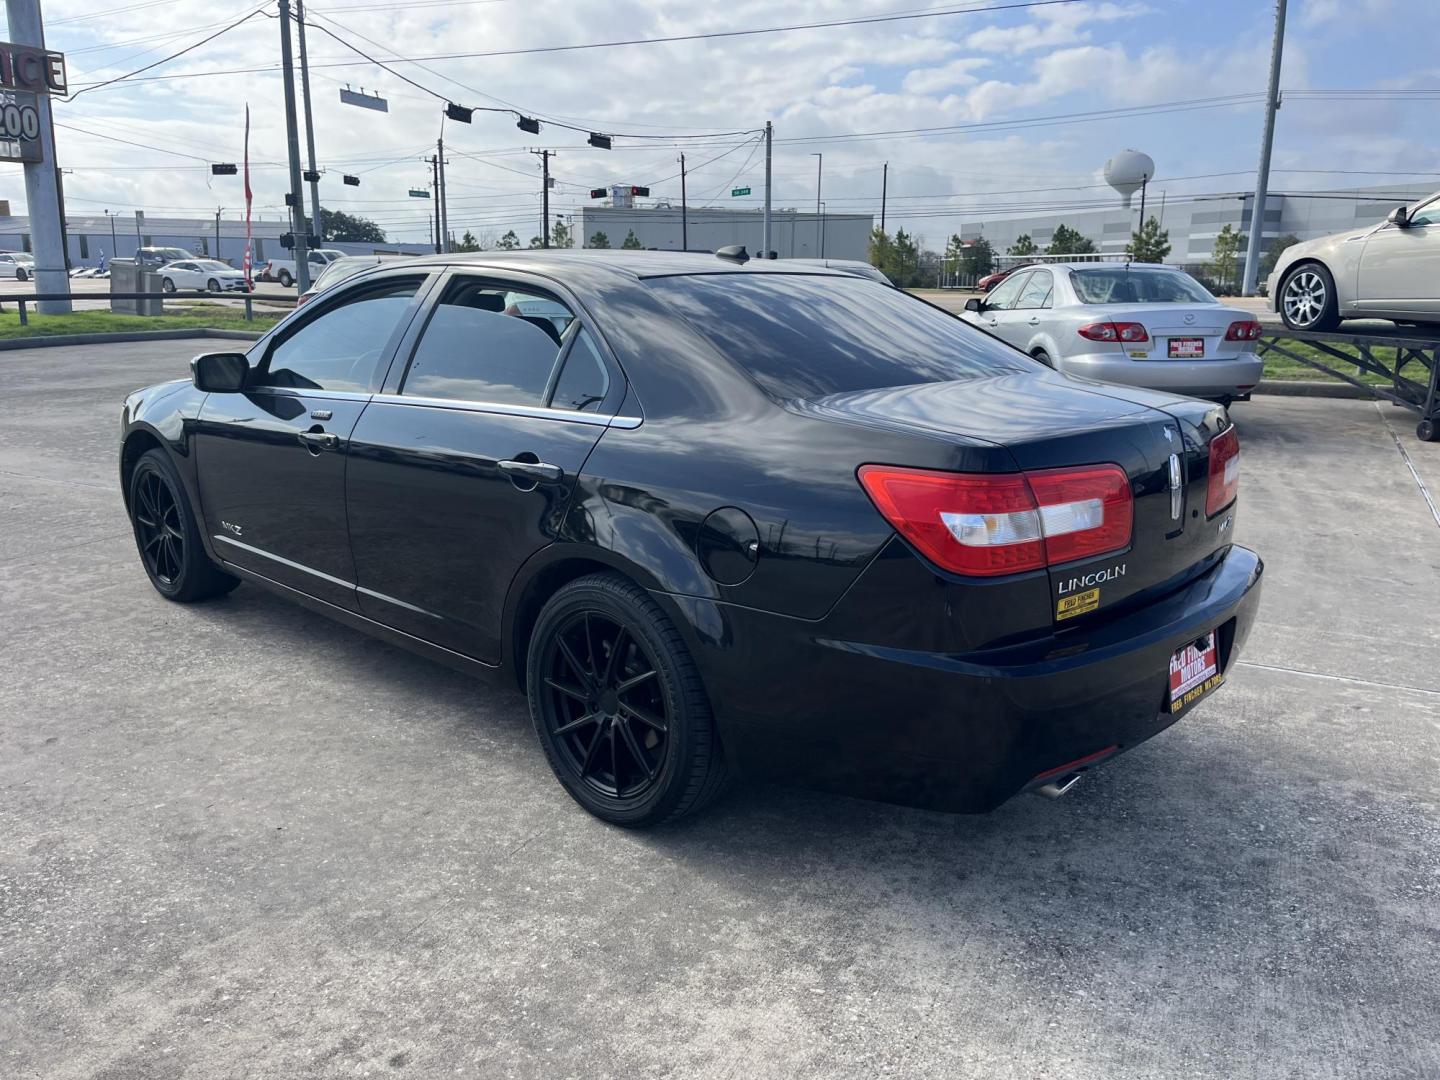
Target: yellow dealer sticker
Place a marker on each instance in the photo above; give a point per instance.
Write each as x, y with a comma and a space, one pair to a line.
1139, 354
1077, 604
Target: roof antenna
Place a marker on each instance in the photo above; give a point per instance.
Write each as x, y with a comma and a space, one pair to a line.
733, 252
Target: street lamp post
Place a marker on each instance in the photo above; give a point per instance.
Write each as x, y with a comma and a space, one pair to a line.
824, 210
819, 176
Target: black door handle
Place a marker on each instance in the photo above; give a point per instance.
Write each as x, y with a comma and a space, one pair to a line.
533, 472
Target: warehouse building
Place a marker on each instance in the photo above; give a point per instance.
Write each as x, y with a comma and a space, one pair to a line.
1194, 221
112, 236
793, 234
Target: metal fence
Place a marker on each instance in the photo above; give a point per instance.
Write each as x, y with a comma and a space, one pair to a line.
157, 300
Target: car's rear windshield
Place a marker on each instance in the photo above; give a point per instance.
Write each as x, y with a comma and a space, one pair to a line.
1137, 285
809, 336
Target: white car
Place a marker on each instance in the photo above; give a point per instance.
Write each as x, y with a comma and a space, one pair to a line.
1132, 323
208, 275
1385, 271
19, 265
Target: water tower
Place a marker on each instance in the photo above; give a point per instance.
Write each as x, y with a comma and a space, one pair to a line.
1127, 171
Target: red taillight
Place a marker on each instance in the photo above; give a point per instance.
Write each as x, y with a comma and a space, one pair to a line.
1243, 330
1224, 479
986, 525
1114, 331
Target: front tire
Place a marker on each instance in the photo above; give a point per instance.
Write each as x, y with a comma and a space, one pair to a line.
167, 535
167, 285
618, 705
22, 275
1307, 299
212, 285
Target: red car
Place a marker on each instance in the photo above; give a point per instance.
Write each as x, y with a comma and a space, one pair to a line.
989, 281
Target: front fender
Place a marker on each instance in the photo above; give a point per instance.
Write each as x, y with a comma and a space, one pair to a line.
164, 414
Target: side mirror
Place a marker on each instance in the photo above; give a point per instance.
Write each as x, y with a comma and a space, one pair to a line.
974, 304
219, 372
1399, 217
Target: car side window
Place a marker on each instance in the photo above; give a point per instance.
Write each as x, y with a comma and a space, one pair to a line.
1426, 215
1036, 293
583, 381
341, 348
485, 343
1003, 296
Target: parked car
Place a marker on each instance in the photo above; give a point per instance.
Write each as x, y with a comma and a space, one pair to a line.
1139, 324
1385, 271
740, 520
283, 270
989, 281
337, 270
209, 275
152, 259
19, 265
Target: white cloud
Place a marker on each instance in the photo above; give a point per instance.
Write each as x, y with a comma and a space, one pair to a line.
946, 77
1051, 27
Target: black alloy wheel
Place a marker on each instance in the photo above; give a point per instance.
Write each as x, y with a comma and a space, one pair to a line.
618, 706
167, 535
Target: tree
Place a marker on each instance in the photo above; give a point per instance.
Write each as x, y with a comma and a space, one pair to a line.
978, 258
1023, 245
468, 243
349, 228
950, 261
905, 260
1223, 259
536, 242
1273, 252
599, 240
508, 242
1151, 244
560, 235
880, 250
631, 241
1068, 241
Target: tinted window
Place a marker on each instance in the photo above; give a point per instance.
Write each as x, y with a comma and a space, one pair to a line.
1134, 285
1428, 215
583, 380
1003, 296
803, 336
341, 348
1036, 293
478, 346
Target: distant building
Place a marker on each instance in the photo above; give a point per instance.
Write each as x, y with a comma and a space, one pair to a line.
793, 234
1194, 221
118, 235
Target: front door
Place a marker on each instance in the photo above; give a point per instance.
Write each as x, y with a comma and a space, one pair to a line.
271, 459
1399, 268
466, 469
998, 315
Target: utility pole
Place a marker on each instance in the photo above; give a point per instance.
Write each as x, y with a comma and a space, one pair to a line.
292, 137
43, 195
769, 133
884, 191
316, 224
1144, 183
435, 191
684, 215
442, 210
217, 230
819, 175
544, 197
1262, 179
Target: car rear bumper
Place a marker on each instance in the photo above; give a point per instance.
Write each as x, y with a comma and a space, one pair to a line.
955, 732
1197, 378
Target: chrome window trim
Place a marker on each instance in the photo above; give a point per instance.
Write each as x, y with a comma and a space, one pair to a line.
500, 408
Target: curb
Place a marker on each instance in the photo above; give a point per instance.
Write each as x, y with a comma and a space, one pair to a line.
1285, 388
40, 341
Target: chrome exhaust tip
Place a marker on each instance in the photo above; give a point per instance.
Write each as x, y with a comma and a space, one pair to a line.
1053, 789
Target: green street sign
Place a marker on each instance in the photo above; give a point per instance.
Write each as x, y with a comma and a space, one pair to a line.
736, 192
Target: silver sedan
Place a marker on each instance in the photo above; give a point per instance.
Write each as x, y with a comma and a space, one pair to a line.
1131, 323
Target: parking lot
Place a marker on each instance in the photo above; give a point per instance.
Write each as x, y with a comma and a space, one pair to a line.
237, 839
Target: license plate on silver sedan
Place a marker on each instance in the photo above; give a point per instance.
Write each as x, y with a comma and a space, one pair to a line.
1187, 348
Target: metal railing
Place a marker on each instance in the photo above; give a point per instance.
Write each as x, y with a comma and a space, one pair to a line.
23, 299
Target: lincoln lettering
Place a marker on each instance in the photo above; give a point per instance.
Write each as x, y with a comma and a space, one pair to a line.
1097, 577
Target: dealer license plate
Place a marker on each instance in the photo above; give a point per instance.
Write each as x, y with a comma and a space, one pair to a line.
1187, 348
1194, 672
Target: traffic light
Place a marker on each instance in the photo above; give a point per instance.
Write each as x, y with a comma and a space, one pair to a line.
600, 142
310, 176
598, 193
223, 169
287, 240
353, 181
459, 112
525, 123
644, 192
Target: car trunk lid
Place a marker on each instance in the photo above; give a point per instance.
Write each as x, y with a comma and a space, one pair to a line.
1181, 331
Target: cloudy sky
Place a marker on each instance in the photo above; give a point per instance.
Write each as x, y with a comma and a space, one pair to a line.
1006, 82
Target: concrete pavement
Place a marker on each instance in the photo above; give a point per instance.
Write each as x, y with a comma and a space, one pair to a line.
238, 840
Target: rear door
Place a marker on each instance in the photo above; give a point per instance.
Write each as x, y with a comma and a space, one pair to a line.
1030, 317
463, 467
271, 459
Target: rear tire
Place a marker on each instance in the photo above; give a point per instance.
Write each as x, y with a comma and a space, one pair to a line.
22, 275
1307, 299
1042, 356
286, 279
1427, 431
618, 705
167, 536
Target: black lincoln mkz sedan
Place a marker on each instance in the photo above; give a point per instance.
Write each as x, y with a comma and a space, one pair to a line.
717, 518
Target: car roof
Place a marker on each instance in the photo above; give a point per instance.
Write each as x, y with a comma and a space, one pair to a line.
611, 262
